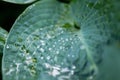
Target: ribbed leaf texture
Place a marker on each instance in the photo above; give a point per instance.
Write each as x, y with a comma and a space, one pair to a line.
52, 40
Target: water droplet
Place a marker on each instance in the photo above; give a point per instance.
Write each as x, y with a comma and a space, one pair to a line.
7, 47
50, 49
48, 36
90, 78
71, 72
73, 67
48, 57
61, 47
57, 52
42, 50
47, 65
68, 55
66, 39
42, 42
42, 58
65, 70
54, 73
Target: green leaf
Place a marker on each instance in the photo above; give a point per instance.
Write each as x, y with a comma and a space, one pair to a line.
20, 1
55, 41
3, 37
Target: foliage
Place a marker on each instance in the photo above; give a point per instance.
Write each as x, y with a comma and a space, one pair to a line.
63, 40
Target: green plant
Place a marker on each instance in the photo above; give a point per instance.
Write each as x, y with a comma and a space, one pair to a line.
63, 40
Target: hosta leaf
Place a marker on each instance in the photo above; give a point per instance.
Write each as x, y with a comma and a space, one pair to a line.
20, 1
3, 36
55, 41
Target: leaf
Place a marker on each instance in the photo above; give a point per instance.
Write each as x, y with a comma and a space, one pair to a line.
3, 37
55, 41
20, 1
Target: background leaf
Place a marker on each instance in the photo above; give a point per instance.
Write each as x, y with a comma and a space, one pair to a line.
20, 1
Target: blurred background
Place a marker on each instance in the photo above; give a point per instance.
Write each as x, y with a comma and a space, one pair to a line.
9, 12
